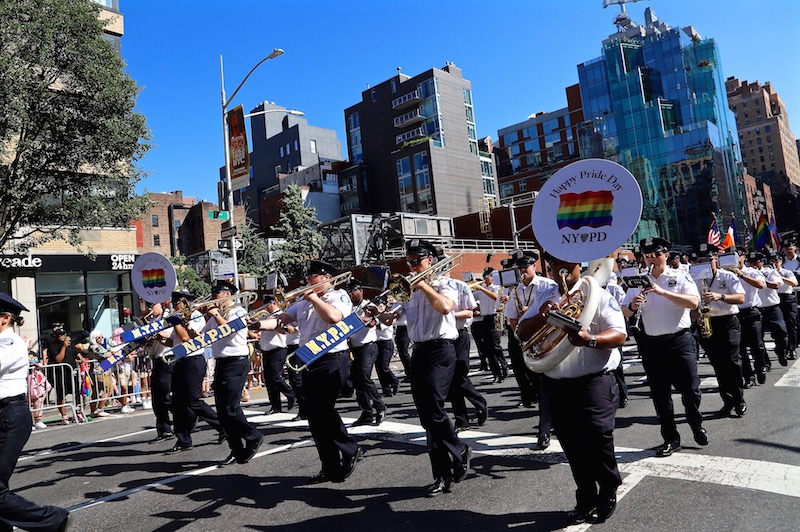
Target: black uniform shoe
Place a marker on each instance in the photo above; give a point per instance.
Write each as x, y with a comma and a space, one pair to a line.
380, 416
762, 378
349, 464
290, 403
543, 441
606, 507
442, 485
782, 361
364, 419
65, 524
460, 428
725, 411
299, 417
274, 411
483, 413
250, 451
741, 409
461, 469
395, 387
162, 437
579, 514
231, 459
221, 438
667, 448
700, 436
767, 368
178, 449
319, 478
623, 402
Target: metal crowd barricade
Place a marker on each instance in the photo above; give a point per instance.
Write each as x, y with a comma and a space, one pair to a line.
57, 375
107, 387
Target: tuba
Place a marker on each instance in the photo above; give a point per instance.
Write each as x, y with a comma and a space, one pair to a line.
549, 346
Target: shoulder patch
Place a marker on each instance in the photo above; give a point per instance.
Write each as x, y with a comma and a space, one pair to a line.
613, 304
6, 342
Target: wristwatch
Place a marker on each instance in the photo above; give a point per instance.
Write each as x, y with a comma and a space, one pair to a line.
722, 297
592, 341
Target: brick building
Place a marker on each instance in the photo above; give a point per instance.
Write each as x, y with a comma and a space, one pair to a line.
159, 230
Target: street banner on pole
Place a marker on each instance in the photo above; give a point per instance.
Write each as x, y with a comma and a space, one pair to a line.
239, 153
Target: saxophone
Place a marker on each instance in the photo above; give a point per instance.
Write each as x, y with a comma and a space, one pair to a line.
705, 313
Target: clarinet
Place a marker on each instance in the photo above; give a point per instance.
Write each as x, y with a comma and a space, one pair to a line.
636, 328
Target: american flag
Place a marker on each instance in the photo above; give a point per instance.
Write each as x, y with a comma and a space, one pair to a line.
714, 237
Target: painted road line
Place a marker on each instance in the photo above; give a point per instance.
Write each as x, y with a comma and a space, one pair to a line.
82, 445
792, 376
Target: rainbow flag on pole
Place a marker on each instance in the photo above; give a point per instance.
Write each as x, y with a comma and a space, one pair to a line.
761, 233
585, 209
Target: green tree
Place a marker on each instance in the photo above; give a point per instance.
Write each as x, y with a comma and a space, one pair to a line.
70, 139
297, 225
188, 279
251, 258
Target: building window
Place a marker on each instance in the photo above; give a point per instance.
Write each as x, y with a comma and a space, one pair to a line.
313, 146
507, 190
405, 185
288, 148
155, 220
354, 137
156, 241
282, 153
523, 186
394, 86
296, 145
277, 171
374, 96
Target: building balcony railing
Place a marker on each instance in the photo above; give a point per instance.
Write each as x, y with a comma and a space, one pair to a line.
408, 135
407, 100
410, 118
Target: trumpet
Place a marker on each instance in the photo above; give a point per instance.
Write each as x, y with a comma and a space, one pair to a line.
285, 299
402, 287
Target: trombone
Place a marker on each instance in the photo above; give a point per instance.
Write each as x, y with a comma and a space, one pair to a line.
243, 298
284, 300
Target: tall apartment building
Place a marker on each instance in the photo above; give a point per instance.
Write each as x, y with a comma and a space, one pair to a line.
532, 150
655, 102
413, 147
769, 149
282, 144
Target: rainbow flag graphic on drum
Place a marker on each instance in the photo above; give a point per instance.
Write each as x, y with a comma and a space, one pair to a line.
585, 209
153, 278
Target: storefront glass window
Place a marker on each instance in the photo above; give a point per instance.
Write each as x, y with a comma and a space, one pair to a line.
102, 281
60, 283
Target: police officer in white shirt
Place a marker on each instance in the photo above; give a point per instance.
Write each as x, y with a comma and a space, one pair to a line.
584, 394
232, 358
518, 302
319, 309
402, 341
461, 387
667, 347
273, 354
483, 329
432, 328
788, 304
15, 429
750, 319
296, 377
722, 293
771, 316
385, 342
365, 352
187, 379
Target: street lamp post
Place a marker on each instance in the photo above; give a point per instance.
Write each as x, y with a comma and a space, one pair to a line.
229, 189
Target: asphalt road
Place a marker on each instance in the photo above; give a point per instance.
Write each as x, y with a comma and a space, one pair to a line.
747, 478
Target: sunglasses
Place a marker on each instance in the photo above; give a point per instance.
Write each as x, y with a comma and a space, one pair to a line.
415, 262
652, 254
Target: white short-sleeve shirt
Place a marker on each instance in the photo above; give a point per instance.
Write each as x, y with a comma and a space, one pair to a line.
769, 296
234, 345
311, 324
724, 282
426, 323
751, 293
660, 315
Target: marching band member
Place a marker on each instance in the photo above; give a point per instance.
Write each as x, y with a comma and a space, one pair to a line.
187, 379
365, 352
432, 328
461, 387
667, 348
385, 334
788, 304
584, 394
402, 342
274, 352
750, 320
232, 359
771, 316
15, 428
161, 379
722, 294
483, 328
519, 301
295, 377
318, 310
792, 263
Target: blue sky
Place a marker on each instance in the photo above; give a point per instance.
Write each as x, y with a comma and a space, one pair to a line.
519, 56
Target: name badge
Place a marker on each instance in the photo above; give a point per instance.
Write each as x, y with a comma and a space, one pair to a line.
672, 281
723, 284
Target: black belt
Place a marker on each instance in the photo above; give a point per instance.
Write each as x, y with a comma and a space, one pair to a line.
748, 310
434, 343
667, 337
786, 296
5, 401
582, 378
725, 317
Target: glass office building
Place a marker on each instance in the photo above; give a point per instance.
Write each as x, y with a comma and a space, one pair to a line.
655, 102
